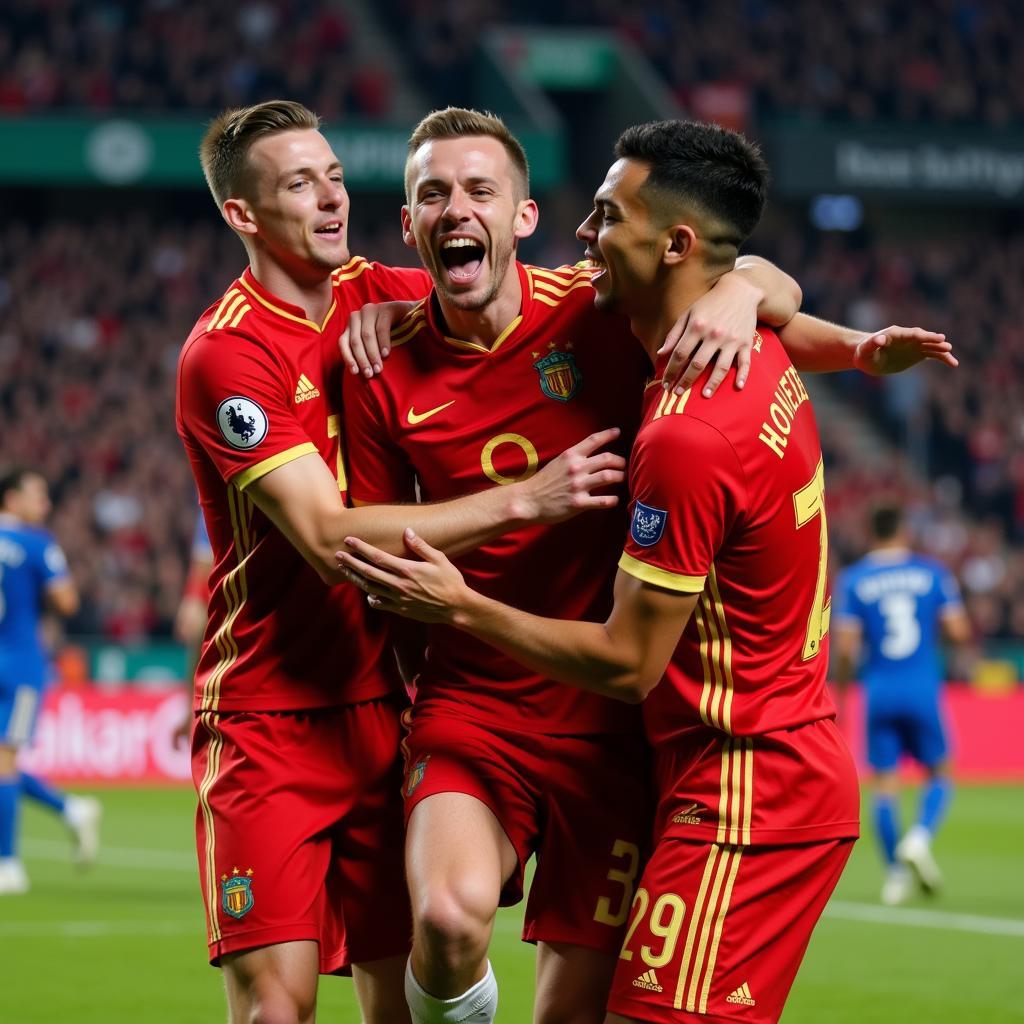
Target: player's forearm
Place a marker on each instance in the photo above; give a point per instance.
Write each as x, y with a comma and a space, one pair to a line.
780, 294
817, 346
581, 654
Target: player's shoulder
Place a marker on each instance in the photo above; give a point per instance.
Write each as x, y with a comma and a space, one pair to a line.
412, 327
564, 287
363, 280
671, 434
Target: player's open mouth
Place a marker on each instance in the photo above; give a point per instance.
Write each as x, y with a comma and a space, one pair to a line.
332, 229
596, 264
463, 258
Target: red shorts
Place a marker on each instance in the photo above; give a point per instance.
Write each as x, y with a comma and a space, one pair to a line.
299, 831
719, 931
582, 804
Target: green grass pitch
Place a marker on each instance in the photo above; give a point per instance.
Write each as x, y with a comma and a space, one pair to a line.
124, 942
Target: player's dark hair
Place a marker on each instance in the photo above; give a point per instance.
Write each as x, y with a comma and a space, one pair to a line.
11, 479
227, 141
713, 172
460, 123
886, 521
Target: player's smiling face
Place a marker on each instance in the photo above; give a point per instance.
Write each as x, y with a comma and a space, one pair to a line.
465, 216
298, 203
623, 242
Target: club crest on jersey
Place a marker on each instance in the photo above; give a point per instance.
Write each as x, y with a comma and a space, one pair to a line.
647, 525
415, 777
243, 423
236, 897
560, 377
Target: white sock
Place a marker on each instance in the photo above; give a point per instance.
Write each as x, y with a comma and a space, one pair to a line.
478, 1005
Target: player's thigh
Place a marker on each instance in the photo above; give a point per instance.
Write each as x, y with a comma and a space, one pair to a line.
598, 813
276, 982
458, 858
719, 931
926, 740
885, 740
572, 984
471, 821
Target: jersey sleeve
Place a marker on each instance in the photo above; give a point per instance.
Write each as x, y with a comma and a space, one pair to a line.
53, 565
235, 405
380, 283
688, 490
378, 470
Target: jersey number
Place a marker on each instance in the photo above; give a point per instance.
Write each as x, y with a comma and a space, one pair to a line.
334, 430
665, 922
624, 876
808, 503
902, 630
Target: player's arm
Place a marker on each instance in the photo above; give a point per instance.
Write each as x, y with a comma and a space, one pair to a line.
817, 346
624, 657
62, 597
956, 626
847, 634
719, 326
302, 499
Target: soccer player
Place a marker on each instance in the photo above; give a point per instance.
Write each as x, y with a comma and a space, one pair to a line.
722, 583
33, 579
296, 748
485, 381
894, 607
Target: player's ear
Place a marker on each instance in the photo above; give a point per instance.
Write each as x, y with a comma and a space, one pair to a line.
527, 218
680, 244
238, 213
407, 236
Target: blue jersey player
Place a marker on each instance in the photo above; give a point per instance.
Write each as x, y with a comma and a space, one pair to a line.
893, 608
33, 578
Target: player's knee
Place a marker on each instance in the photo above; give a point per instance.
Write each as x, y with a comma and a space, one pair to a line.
454, 923
279, 1006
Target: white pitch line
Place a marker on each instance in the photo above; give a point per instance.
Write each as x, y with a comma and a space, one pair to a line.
939, 919
113, 856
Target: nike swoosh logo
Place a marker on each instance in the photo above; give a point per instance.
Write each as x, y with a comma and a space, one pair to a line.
419, 417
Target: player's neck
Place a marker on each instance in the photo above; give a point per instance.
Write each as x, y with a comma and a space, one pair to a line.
653, 319
484, 326
312, 293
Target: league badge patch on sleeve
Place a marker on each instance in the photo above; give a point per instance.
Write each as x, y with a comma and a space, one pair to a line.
647, 525
242, 422
236, 897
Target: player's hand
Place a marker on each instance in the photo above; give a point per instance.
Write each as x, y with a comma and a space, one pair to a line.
430, 589
898, 348
718, 328
190, 620
182, 735
566, 485
366, 342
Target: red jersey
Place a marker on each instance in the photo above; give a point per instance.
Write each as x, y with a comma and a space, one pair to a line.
457, 418
728, 502
258, 386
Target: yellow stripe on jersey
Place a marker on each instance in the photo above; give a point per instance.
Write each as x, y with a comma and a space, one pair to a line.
726, 650
226, 310
209, 722
319, 328
474, 347
409, 325
708, 919
355, 266
670, 403
247, 476
661, 577
565, 275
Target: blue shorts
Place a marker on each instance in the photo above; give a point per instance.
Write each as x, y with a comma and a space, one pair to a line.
19, 707
915, 732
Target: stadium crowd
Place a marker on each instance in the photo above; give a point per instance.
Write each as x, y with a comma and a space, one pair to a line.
91, 399
951, 61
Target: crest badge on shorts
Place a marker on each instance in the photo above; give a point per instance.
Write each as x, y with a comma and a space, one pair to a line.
647, 525
236, 896
243, 423
415, 777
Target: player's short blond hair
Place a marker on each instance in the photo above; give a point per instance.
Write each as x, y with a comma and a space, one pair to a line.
227, 141
460, 123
